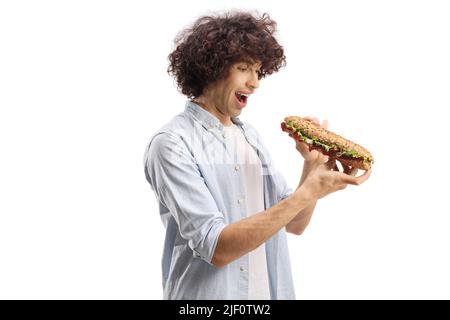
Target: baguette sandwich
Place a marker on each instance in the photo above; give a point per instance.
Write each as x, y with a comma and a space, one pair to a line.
327, 142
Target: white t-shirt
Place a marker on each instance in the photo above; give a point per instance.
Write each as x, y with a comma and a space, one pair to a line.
248, 162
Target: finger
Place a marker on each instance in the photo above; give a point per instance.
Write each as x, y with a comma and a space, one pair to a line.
313, 119
356, 180
354, 172
322, 159
303, 146
363, 177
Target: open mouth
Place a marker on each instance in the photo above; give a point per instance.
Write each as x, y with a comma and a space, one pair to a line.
242, 97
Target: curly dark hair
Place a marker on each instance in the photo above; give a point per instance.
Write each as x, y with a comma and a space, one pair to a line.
205, 52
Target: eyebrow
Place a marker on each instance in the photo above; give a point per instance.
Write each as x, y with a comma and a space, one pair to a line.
251, 63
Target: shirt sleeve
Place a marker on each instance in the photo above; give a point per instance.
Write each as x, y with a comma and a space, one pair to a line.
283, 190
177, 181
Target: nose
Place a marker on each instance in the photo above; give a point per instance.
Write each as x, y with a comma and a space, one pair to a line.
253, 81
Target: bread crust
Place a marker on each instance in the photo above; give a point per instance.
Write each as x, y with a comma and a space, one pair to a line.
311, 129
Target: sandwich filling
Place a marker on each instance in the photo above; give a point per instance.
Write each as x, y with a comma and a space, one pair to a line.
314, 143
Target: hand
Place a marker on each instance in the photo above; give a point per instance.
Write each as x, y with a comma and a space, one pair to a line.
327, 178
312, 156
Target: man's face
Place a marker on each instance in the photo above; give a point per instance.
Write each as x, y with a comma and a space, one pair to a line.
232, 93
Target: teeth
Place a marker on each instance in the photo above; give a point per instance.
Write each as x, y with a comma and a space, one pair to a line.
243, 94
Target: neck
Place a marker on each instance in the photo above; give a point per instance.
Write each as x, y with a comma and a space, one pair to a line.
212, 108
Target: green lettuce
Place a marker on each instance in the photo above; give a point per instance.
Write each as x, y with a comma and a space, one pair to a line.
313, 140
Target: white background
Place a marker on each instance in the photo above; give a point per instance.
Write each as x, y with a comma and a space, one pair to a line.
83, 85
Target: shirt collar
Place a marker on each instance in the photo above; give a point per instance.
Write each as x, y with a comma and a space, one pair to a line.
208, 120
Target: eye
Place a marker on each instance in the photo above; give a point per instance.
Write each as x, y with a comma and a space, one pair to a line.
242, 68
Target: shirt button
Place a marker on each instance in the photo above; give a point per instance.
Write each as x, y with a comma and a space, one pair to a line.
224, 136
240, 200
236, 167
242, 268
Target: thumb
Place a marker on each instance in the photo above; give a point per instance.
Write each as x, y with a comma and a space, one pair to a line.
326, 159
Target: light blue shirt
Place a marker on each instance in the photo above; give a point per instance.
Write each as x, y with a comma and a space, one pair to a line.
200, 190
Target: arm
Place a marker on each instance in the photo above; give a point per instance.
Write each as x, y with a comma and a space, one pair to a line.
243, 236
312, 159
301, 220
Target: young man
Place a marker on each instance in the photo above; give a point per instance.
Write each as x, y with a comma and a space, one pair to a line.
224, 206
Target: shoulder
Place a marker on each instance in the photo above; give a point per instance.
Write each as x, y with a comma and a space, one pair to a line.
168, 138
175, 126
173, 131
